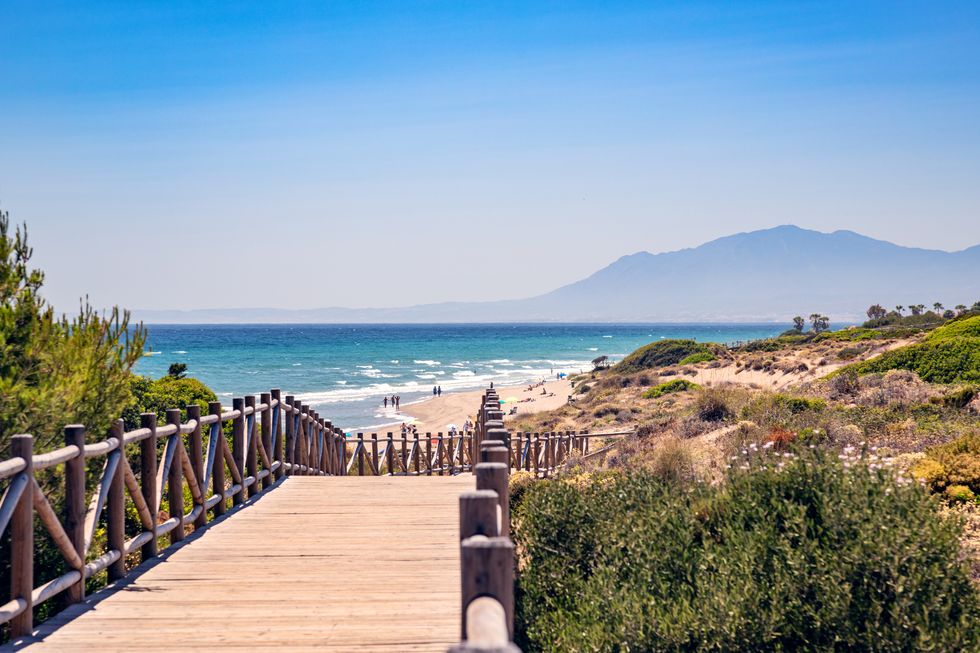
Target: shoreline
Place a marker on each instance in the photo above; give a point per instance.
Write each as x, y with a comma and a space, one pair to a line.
436, 414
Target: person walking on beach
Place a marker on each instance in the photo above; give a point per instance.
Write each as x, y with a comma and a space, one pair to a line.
398, 402
440, 391
386, 401
433, 391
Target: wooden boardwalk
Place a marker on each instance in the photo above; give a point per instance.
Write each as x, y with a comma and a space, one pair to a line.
341, 563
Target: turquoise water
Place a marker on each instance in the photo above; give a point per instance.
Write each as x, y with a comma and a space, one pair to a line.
344, 371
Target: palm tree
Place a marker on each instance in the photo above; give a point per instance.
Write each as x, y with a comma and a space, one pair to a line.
960, 309
938, 307
820, 322
899, 309
798, 324
876, 312
814, 320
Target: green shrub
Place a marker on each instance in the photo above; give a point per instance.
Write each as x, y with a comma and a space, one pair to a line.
700, 357
808, 555
605, 409
958, 398
660, 354
711, 406
800, 404
156, 396
959, 494
677, 385
952, 463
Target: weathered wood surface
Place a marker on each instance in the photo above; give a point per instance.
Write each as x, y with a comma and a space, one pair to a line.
325, 563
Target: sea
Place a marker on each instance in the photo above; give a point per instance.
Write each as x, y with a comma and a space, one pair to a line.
345, 371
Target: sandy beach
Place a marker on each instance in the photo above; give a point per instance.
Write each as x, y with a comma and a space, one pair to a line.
436, 414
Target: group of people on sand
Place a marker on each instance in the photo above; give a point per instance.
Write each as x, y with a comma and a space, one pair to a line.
437, 391
409, 429
396, 401
539, 384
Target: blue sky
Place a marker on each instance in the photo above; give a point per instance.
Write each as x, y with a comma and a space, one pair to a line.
371, 154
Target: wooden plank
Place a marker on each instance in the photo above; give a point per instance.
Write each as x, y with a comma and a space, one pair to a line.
356, 563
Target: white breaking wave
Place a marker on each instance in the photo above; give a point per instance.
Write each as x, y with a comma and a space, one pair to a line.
427, 362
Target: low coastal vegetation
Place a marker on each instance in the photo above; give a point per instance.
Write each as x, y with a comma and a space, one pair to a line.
677, 385
949, 354
800, 551
814, 491
665, 352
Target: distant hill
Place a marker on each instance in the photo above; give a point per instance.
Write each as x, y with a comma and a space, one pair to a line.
770, 274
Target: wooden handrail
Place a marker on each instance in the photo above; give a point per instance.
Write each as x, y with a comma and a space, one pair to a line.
196, 454
486, 550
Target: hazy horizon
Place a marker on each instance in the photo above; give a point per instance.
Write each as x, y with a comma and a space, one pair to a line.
187, 156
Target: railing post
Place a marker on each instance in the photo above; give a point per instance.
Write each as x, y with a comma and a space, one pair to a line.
277, 433
342, 440
266, 399
374, 453
175, 485
290, 433
148, 480
330, 447
428, 454
312, 441
390, 454
359, 449
252, 448
537, 453
238, 447
405, 452
22, 540
116, 508
440, 454
487, 569
452, 454
196, 456
478, 514
218, 461
493, 476
75, 505
304, 438
417, 450
325, 446
315, 441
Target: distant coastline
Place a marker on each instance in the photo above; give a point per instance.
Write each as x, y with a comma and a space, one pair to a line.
344, 371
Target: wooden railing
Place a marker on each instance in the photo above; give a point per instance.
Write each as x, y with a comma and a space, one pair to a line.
387, 455
429, 454
269, 438
486, 550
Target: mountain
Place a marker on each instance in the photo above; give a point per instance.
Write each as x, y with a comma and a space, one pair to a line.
764, 275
